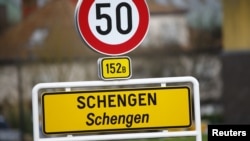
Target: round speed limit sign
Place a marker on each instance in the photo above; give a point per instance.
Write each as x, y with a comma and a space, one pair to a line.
112, 27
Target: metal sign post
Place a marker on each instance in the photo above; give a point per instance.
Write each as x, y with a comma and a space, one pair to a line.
49, 98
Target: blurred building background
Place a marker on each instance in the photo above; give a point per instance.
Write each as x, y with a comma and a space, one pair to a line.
207, 39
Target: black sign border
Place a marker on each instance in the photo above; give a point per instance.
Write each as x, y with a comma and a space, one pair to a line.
120, 129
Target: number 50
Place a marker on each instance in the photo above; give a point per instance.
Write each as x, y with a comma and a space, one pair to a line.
100, 15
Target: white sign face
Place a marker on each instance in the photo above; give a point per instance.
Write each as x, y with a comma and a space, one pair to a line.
112, 27
115, 19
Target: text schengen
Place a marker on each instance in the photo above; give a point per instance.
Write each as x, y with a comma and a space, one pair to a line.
116, 100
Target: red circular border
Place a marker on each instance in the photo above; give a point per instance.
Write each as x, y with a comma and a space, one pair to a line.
108, 49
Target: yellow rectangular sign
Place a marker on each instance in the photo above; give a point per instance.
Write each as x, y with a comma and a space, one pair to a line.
116, 110
115, 68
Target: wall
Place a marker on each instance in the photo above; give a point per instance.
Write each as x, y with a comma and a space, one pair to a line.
167, 30
235, 61
236, 22
236, 74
